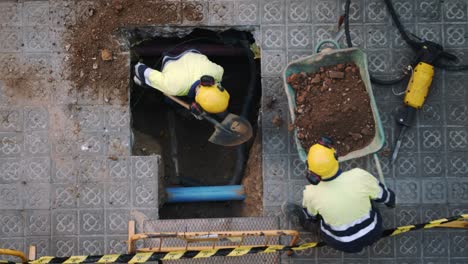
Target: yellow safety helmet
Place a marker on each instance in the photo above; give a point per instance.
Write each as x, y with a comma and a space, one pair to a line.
213, 98
322, 160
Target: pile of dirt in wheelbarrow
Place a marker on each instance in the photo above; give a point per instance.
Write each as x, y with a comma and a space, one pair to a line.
333, 102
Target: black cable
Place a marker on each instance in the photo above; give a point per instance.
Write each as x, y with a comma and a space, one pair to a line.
451, 67
388, 82
350, 45
413, 44
241, 150
346, 24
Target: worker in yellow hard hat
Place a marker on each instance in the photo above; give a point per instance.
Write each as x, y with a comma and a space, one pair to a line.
342, 202
189, 74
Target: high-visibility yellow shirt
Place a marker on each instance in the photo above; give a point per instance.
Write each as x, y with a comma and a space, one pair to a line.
179, 75
344, 199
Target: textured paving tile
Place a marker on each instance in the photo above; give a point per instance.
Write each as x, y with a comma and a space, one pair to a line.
247, 12
273, 12
409, 246
91, 245
298, 11
273, 37
275, 168
431, 166
221, 13
64, 246
116, 244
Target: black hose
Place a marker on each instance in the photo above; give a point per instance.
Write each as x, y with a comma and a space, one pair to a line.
241, 150
350, 45
346, 24
451, 67
388, 82
401, 29
413, 44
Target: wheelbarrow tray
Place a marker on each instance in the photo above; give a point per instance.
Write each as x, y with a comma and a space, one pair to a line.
312, 64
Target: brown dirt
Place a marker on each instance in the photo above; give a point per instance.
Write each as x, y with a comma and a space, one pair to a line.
277, 121
333, 102
94, 33
253, 181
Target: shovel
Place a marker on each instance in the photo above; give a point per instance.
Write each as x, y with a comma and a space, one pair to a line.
232, 131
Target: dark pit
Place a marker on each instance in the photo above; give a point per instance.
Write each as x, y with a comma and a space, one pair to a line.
161, 127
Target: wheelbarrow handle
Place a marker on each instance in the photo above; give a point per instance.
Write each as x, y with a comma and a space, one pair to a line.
379, 168
327, 41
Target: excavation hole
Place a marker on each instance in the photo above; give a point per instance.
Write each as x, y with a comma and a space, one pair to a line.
161, 127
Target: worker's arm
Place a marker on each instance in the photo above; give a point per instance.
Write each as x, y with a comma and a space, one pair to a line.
145, 76
385, 195
379, 192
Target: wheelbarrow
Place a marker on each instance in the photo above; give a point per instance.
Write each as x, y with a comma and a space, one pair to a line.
330, 57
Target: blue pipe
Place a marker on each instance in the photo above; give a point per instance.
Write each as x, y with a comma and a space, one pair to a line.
205, 194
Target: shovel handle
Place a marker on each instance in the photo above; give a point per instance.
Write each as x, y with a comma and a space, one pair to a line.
180, 102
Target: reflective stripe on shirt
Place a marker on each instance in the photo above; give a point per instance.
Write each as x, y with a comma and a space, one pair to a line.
353, 235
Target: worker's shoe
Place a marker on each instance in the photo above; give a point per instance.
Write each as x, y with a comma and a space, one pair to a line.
295, 214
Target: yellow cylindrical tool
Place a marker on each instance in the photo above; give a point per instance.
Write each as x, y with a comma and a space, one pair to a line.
418, 86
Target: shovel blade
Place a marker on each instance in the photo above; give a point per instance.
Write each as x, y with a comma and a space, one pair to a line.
233, 131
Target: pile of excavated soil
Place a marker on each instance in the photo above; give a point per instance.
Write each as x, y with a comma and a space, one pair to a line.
96, 61
253, 181
333, 102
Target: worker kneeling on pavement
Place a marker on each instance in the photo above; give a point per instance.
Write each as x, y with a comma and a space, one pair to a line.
342, 202
189, 74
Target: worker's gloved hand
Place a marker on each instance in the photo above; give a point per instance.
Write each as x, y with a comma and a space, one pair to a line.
196, 110
310, 218
139, 77
391, 203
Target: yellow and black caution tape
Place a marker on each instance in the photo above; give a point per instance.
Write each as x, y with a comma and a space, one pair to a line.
223, 252
430, 224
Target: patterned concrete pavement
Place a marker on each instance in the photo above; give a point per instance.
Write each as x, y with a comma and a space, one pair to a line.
429, 176
58, 187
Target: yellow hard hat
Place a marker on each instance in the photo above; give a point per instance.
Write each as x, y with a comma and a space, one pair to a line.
212, 99
322, 161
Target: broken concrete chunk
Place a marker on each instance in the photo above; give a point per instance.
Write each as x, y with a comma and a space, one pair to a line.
106, 55
118, 8
366, 131
277, 121
355, 136
301, 98
316, 79
293, 78
336, 74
